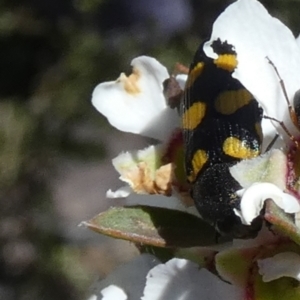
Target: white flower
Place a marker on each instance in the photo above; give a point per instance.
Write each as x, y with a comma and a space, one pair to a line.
257, 37
178, 279
113, 292
128, 280
122, 192
253, 199
136, 103
268, 167
144, 172
183, 280
255, 34
286, 264
263, 178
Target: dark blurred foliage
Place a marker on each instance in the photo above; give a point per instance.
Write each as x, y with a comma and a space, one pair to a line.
52, 54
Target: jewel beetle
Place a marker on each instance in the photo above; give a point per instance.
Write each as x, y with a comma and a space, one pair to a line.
221, 125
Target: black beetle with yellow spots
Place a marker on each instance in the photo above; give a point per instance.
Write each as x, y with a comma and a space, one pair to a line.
221, 124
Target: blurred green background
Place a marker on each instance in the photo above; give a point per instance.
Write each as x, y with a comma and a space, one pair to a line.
55, 148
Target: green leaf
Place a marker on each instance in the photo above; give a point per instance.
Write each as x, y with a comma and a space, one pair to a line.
153, 226
283, 222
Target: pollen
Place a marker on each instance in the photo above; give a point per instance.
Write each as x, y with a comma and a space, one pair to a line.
234, 147
227, 62
131, 83
193, 116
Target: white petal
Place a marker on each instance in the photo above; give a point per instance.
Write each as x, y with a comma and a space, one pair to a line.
129, 277
113, 292
247, 25
136, 103
285, 264
269, 167
122, 192
128, 161
181, 279
298, 40
144, 172
253, 200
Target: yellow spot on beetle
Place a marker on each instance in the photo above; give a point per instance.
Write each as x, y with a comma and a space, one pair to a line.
227, 62
194, 74
199, 159
193, 116
130, 83
234, 147
229, 102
